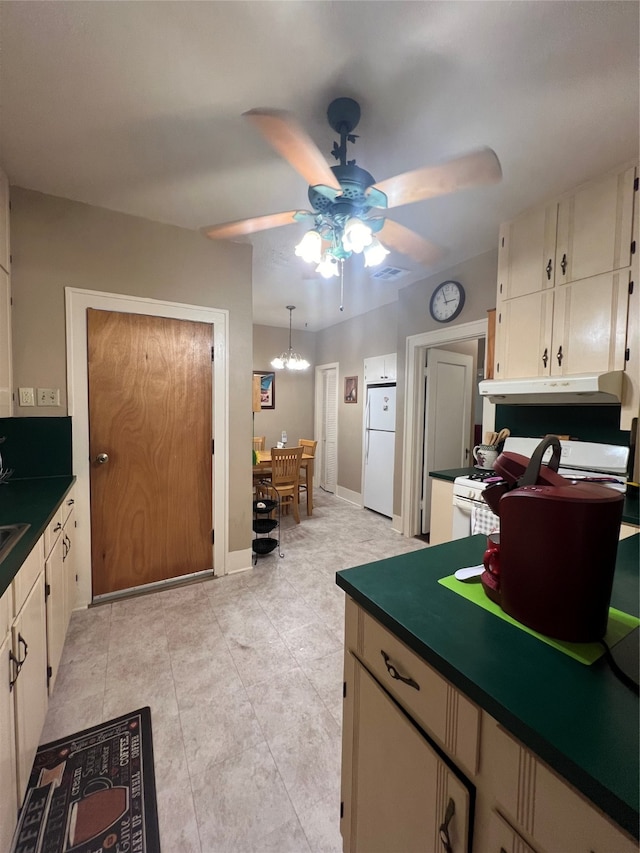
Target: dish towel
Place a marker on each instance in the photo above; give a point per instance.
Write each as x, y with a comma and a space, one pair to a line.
483, 520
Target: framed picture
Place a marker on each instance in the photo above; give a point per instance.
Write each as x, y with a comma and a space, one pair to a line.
351, 389
267, 388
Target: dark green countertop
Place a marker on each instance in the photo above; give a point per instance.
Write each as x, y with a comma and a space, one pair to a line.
630, 511
579, 719
32, 501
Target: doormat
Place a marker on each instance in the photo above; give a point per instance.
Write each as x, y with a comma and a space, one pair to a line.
93, 791
619, 625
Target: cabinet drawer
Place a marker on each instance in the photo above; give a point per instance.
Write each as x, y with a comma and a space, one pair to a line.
504, 839
540, 803
448, 716
67, 507
27, 575
53, 529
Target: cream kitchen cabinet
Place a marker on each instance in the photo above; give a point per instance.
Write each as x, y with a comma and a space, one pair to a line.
391, 754
401, 718
574, 328
564, 282
60, 583
441, 526
380, 369
538, 805
8, 770
594, 228
29, 667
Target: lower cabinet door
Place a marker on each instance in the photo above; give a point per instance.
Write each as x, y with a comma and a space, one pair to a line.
8, 782
30, 688
404, 797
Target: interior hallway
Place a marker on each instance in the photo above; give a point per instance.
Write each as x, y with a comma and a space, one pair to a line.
243, 675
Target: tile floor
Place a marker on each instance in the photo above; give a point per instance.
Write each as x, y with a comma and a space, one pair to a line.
244, 678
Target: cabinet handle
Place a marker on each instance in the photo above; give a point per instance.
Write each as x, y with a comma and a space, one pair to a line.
559, 355
444, 826
57, 527
70, 502
22, 640
393, 672
564, 264
545, 357
549, 269
17, 666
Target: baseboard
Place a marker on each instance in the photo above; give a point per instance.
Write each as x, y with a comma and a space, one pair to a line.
349, 496
239, 561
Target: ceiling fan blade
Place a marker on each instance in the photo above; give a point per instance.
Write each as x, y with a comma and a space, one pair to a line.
291, 141
242, 227
470, 170
396, 236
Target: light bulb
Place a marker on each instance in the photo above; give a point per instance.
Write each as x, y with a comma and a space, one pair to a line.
278, 363
328, 267
310, 247
356, 235
375, 253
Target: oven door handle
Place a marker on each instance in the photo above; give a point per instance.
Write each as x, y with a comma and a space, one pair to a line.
463, 504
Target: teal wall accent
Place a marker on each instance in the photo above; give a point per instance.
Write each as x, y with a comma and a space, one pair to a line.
36, 447
585, 423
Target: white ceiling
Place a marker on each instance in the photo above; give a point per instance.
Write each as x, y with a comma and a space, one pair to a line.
136, 107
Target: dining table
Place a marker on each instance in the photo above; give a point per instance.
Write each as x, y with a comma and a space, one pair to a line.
263, 458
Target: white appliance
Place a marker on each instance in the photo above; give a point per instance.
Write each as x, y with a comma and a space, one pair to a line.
379, 448
582, 388
579, 460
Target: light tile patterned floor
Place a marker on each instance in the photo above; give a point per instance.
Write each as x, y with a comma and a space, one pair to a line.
244, 678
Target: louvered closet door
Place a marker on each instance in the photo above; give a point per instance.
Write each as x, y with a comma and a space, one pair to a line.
328, 462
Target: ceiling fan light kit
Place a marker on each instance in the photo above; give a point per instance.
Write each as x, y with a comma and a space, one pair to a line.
289, 359
349, 210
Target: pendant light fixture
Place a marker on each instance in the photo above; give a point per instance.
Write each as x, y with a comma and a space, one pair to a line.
290, 360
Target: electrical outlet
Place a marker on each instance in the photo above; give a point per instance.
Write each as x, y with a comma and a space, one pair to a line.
26, 397
48, 396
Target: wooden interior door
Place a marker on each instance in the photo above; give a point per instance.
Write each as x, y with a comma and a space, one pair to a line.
150, 413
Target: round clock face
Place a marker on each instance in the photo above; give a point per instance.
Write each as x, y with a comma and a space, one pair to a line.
447, 301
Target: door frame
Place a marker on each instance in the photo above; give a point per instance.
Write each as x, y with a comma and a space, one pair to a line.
320, 369
415, 355
77, 300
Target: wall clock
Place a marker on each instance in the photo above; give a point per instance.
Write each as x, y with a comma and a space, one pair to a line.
447, 301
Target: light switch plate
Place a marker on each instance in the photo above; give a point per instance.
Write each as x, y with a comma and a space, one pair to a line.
26, 397
48, 396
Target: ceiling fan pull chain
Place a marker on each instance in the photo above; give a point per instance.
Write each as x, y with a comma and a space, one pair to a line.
341, 284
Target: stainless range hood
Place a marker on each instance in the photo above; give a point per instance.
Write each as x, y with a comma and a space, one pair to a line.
583, 388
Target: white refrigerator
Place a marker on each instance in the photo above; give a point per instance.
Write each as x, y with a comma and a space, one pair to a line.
379, 448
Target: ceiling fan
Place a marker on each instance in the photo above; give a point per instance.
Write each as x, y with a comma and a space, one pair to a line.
349, 208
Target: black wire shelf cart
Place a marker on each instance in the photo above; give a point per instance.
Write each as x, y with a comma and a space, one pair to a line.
264, 525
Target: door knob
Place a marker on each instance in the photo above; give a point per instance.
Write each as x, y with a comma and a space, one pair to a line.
102, 458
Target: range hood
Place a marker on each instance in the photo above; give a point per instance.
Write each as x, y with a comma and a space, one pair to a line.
582, 388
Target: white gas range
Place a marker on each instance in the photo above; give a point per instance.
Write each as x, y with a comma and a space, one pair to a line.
579, 460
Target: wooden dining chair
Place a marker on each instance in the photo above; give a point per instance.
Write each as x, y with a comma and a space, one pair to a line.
285, 477
308, 447
262, 473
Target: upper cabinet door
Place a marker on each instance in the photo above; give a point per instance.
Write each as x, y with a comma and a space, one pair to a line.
523, 336
594, 228
526, 253
589, 325
4, 221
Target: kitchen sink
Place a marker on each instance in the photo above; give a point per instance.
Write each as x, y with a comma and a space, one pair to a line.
9, 535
